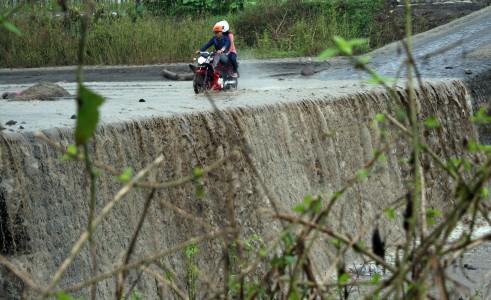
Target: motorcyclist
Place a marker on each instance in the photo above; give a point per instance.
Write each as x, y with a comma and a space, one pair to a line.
232, 55
221, 43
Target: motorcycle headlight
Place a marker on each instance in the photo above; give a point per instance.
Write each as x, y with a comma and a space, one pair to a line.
201, 60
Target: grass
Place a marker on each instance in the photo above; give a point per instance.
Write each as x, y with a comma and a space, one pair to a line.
268, 31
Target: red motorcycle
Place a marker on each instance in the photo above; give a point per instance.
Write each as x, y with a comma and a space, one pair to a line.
212, 71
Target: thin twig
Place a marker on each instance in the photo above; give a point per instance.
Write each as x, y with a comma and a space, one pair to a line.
165, 282
22, 275
131, 247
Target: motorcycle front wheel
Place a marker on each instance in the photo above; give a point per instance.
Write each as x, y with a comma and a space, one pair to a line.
198, 83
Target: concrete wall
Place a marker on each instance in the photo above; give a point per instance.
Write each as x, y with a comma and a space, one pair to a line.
309, 147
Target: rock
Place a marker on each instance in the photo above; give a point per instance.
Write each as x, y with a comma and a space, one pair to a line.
9, 95
468, 71
42, 91
308, 70
11, 123
142, 100
73, 117
21, 127
176, 76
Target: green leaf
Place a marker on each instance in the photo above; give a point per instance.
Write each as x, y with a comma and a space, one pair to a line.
328, 53
390, 213
12, 28
198, 172
481, 117
484, 193
136, 295
432, 123
169, 276
88, 114
358, 42
300, 208
375, 279
336, 243
316, 206
362, 174
343, 45
377, 79
343, 278
473, 146
126, 175
288, 238
432, 215
401, 115
63, 296
191, 251
294, 295
290, 260
380, 118
363, 60
263, 252
200, 191
362, 244
71, 153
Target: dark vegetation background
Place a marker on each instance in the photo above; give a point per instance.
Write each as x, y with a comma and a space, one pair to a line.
164, 31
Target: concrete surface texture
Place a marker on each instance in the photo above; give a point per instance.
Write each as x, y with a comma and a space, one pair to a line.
307, 136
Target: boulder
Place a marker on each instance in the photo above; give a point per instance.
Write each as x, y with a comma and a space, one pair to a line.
42, 91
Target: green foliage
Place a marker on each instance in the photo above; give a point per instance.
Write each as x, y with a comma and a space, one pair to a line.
390, 213
432, 123
380, 117
136, 295
481, 117
9, 26
432, 216
474, 147
183, 7
378, 79
88, 114
344, 278
283, 261
126, 175
64, 296
310, 204
375, 280
485, 193
362, 174
71, 153
192, 270
191, 251
199, 182
263, 29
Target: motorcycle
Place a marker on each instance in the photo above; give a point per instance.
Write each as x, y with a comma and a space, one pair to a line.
212, 73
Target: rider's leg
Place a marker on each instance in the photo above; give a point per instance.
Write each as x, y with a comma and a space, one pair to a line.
233, 58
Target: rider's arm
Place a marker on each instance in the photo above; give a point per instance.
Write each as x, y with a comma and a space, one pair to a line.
226, 45
210, 43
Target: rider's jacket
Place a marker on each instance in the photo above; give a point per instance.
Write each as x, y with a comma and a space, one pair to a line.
218, 43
